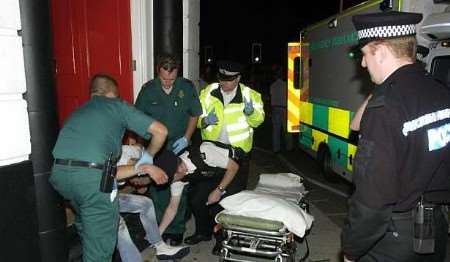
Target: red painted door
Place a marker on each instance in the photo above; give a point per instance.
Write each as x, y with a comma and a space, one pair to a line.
90, 37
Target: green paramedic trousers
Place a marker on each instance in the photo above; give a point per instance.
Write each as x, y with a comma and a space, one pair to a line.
97, 213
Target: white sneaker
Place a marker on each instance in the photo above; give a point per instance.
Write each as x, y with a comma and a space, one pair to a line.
166, 252
149, 254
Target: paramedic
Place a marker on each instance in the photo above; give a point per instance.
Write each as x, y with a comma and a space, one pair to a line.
80, 153
173, 101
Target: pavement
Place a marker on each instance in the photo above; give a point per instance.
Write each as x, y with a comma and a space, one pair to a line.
323, 239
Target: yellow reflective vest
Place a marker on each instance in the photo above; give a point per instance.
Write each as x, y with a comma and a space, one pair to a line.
239, 127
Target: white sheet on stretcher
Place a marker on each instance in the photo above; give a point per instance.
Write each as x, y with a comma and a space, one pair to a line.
273, 205
285, 185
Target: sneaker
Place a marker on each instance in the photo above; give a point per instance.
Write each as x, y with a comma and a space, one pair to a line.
166, 252
149, 254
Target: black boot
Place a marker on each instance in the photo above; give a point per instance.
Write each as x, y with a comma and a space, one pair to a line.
196, 238
217, 247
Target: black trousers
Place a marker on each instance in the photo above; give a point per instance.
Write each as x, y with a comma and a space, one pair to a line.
397, 244
199, 191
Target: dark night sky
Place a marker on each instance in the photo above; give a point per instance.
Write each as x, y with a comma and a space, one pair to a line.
230, 27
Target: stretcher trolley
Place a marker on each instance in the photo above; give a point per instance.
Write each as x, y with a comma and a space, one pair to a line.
261, 224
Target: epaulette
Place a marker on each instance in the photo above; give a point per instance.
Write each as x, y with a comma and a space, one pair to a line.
149, 84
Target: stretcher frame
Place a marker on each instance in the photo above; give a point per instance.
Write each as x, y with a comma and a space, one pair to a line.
268, 239
242, 241
247, 238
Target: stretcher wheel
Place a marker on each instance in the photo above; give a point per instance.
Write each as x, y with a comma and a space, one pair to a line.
280, 258
223, 254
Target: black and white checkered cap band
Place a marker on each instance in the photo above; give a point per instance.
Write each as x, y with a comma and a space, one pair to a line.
387, 31
228, 73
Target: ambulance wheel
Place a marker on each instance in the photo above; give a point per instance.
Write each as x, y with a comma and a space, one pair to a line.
326, 165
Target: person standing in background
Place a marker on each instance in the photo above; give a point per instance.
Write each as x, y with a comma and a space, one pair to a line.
278, 101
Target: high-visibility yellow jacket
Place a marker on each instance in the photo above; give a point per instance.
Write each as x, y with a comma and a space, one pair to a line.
239, 126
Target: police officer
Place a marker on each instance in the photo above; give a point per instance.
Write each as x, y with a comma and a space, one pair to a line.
88, 137
230, 111
403, 152
173, 101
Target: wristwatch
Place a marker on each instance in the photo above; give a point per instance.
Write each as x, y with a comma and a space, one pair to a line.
221, 189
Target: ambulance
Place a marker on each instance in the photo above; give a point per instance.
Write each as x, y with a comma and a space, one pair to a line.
326, 83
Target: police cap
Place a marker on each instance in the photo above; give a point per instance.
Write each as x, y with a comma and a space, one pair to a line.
378, 26
228, 70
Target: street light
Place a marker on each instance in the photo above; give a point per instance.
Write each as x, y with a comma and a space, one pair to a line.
256, 53
209, 57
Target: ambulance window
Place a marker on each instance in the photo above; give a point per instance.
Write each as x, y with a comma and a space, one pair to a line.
440, 69
298, 69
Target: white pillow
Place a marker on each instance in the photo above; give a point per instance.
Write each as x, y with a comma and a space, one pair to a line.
254, 204
281, 180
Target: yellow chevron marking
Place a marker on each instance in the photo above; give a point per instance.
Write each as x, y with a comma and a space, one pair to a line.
293, 94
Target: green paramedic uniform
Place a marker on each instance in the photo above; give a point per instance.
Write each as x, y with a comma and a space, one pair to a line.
173, 110
90, 134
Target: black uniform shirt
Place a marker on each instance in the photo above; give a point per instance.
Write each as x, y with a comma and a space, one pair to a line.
397, 158
403, 151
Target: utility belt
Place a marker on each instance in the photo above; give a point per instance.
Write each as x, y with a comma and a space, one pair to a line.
235, 153
109, 170
410, 214
423, 216
78, 163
